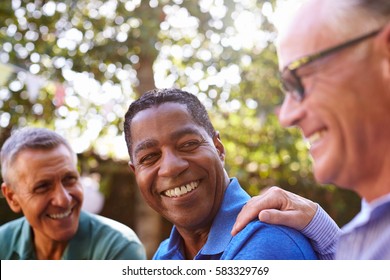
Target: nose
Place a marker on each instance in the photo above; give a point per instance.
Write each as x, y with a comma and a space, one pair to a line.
61, 196
291, 111
171, 164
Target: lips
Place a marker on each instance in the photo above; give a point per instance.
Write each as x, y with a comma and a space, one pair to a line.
181, 190
60, 216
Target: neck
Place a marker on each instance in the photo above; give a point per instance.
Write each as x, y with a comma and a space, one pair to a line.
193, 241
375, 182
47, 249
372, 190
196, 237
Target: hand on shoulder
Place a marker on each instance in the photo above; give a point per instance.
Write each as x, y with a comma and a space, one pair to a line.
277, 206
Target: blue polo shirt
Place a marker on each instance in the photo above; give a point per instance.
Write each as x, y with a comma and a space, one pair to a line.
257, 241
97, 238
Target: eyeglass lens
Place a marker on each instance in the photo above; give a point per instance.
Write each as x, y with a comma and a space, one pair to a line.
292, 84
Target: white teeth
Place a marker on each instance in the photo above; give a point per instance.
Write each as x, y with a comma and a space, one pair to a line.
182, 190
177, 191
61, 215
315, 137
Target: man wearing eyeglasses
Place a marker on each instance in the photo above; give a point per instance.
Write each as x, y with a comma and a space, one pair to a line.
335, 69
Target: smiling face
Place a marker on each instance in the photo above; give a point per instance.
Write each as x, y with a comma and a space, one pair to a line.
48, 192
178, 166
347, 105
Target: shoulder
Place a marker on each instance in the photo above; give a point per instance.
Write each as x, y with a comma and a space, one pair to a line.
12, 228
111, 238
11, 225
11, 234
264, 241
107, 227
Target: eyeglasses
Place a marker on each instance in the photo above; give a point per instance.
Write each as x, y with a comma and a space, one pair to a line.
290, 80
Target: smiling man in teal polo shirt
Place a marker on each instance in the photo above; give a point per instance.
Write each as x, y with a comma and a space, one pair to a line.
41, 180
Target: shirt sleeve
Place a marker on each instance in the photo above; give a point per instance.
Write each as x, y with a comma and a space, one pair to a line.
260, 241
323, 233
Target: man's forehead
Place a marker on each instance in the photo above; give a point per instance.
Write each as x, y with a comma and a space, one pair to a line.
308, 33
45, 153
156, 113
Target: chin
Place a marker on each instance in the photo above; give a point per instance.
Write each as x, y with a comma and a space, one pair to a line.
326, 178
65, 236
321, 176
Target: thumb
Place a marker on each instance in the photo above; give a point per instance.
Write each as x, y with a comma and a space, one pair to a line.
277, 217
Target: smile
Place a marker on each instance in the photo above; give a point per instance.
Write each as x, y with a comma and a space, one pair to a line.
182, 190
316, 137
60, 215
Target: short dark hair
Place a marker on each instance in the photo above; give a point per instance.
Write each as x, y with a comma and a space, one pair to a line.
157, 97
28, 138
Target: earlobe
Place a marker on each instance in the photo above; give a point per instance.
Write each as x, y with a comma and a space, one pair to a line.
11, 198
219, 146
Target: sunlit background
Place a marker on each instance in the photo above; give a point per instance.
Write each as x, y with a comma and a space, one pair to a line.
75, 66
79, 91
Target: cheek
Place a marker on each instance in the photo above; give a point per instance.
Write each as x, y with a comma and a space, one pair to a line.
144, 180
219, 164
34, 206
79, 193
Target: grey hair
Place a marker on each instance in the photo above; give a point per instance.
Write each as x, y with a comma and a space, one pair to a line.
28, 138
359, 16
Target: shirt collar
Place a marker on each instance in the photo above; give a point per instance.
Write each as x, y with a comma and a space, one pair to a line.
368, 210
219, 236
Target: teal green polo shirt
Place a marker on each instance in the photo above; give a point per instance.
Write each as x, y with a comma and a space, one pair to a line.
97, 238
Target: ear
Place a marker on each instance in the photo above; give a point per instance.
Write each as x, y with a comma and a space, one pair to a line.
219, 145
132, 167
11, 197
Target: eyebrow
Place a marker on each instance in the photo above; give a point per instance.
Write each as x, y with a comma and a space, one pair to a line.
185, 131
151, 143
146, 144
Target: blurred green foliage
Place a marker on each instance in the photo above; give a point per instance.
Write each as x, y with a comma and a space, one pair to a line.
126, 47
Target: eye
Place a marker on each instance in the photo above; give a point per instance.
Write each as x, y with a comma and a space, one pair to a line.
42, 187
191, 145
70, 180
149, 158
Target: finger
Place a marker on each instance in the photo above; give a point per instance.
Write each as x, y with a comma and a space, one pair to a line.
277, 217
247, 214
266, 200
